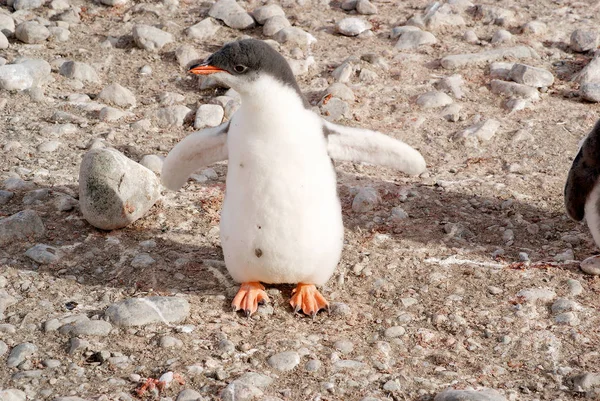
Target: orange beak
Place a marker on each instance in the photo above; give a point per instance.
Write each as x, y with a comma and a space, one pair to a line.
203, 69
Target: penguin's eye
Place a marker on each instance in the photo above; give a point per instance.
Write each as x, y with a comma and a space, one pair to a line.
240, 69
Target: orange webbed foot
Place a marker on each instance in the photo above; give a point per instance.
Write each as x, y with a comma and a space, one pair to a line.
306, 298
249, 296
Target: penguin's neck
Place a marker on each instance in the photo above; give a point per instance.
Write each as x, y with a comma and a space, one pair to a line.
267, 95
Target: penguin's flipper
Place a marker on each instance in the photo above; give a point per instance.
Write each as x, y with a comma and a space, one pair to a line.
583, 175
197, 150
363, 145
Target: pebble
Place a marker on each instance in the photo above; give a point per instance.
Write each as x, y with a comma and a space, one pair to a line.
395, 331
275, 24
284, 361
143, 311
98, 328
392, 386
343, 72
186, 54
294, 36
340, 309
142, 260
173, 116
7, 25
568, 318
115, 191
109, 114
583, 40
51, 363
483, 131
189, 395
5, 196
590, 265
531, 76
398, 214
77, 345
78, 70
589, 74
313, 365
232, 14
514, 89
565, 256
59, 34
484, 394
209, 115
262, 14
3, 346
501, 70
400, 30
586, 382
257, 380
347, 365
3, 41
44, 254
534, 295
114, 3
575, 287
434, 99
494, 15
352, 26
464, 60
153, 163
365, 200
365, 7
117, 95
150, 38
415, 39
239, 391
20, 353
501, 36
344, 346
170, 342
27, 4
536, 28
590, 92
21, 226
471, 37
203, 30
12, 395
36, 196
341, 91
24, 75
336, 109
31, 32
452, 84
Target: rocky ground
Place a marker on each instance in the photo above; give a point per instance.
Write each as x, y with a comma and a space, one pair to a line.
464, 282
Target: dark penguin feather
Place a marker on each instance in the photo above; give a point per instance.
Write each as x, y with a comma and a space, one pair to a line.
583, 175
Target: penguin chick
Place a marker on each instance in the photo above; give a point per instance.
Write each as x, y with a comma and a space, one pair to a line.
281, 220
582, 190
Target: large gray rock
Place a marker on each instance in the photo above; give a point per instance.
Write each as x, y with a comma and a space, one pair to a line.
150, 38
115, 191
143, 311
77, 70
26, 74
20, 226
582, 40
232, 14
31, 32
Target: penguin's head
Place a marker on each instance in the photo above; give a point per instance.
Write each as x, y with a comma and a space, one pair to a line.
241, 64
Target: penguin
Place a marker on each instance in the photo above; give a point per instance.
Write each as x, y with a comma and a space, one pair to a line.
281, 219
582, 189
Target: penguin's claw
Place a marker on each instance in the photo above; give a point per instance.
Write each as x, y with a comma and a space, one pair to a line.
248, 298
305, 297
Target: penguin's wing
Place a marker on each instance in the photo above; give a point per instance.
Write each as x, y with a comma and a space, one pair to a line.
583, 175
363, 145
197, 150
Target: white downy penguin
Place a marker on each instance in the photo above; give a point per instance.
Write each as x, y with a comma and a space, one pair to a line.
582, 190
281, 220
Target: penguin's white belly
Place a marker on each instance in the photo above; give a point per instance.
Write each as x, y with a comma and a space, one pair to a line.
592, 213
281, 221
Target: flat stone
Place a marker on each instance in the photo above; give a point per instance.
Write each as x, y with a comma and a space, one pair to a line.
400, 30
415, 39
395, 331
32, 32
513, 89
536, 28
232, 14
98, 328
239, 391
365, 200
209, 115
20, 353
295, 36
150, 38
21, 226
469, 395
26, 74
44, 254
117, 95
464, 60
484, 130
340, 91
564, 305
531, 76
114, 191
590, 265
151, 310
203, 30
36, 196
345, 365
257, 380
583, 40
352, 26
501, 36
501, 70
109, 114
142, 260
262, 14
590, 92
173, 116
80, 71
452, 84
434, 99
275, 24
27, 4
284, 361
534, 295
335, 109
170, 342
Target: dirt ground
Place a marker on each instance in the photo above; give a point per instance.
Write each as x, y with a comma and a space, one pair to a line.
449, 274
